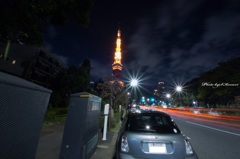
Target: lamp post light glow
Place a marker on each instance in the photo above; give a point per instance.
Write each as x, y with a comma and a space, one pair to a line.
168, 95
179, 88
134, 82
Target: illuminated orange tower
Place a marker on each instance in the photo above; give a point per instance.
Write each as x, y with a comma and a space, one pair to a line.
117, 64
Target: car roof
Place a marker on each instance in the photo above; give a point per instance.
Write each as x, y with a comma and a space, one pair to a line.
147, 112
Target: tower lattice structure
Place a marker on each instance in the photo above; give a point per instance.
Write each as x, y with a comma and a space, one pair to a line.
117, 64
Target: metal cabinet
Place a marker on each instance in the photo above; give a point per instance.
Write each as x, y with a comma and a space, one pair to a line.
23, 105
80, 135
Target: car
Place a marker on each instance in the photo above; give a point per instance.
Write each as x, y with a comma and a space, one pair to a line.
135, 110
134, 105
152, 135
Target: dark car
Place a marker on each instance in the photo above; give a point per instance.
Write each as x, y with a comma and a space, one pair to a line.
152, 135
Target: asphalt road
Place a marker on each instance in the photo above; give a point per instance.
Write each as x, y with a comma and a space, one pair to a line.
211, 140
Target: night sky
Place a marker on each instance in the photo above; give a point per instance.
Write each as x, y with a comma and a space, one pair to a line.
162, 40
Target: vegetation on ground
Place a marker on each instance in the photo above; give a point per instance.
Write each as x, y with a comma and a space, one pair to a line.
54, 115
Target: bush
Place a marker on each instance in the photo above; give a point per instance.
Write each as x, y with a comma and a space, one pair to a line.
55, 115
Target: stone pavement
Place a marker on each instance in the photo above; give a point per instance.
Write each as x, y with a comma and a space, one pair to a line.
51, 137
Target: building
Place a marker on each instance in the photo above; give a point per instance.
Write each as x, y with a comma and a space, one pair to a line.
117, 63
160, 91
161, 88
31, 63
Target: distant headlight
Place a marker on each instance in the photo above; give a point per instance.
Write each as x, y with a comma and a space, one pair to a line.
124, 144
189, 150
138, 111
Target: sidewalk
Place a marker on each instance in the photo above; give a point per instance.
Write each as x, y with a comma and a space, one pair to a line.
50, 141
105, 149
51, 137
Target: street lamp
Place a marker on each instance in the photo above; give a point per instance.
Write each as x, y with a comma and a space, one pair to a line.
168, 95
128, 96
179, 90
134, 83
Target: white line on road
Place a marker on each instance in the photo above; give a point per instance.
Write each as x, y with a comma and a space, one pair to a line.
213, 128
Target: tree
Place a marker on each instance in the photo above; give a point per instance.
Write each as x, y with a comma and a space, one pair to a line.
23, 21
74, 80
112, 91
213, 86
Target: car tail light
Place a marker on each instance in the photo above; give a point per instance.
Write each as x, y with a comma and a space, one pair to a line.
124, 144
189, 150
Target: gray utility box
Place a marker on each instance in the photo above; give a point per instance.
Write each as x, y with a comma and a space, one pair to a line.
22, 109
80, 135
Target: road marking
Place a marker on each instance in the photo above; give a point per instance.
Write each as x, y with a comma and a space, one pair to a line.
213, 128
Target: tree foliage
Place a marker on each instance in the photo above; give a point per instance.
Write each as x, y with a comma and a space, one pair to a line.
22, 21
111, 91
74, 80
215, 86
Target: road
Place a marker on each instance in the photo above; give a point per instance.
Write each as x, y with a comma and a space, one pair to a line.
210, 139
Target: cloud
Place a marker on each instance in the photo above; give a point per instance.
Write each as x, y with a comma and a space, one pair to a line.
220, 31
180, 43
64, 59
50, 49
172, 14
99, 70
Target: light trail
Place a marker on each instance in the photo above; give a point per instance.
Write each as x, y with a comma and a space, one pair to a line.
207, 120
233, 121
196, 113
228, 132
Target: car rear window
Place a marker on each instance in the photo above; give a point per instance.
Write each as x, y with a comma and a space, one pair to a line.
151, 123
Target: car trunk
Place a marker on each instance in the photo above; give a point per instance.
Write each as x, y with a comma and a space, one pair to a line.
156, 146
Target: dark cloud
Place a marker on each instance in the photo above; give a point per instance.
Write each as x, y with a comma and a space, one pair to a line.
100, 70
185, 39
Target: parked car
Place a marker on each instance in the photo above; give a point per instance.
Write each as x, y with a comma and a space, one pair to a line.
152, 135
